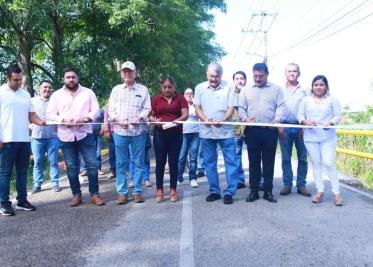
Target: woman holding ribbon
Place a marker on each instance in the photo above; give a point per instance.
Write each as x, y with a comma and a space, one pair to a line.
320, 109
167, 108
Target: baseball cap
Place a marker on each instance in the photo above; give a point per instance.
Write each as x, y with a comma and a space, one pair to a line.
128, 65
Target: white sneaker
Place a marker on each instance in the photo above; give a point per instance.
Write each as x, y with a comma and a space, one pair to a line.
148, 183
179, 183
193, 183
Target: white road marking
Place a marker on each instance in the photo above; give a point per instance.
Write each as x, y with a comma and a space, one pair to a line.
186, 239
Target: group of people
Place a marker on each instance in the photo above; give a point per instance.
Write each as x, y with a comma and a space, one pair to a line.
183, 126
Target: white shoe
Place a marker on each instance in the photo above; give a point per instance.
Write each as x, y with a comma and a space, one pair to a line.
179, 183
148, 183
193, 183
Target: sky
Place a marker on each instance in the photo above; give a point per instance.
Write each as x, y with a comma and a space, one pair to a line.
329, 37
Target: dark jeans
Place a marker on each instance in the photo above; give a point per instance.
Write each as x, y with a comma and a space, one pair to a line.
14, 154
261, 147
166, 145
112, 161
87, 148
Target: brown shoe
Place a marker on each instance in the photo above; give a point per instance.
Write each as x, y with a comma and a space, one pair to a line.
338, 200
285, 191
97, 200
159, 195
303, 191
173, 195
122, 199
138, 198
76, 201
318, 197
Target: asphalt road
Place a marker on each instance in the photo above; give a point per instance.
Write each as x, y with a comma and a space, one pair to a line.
190, 232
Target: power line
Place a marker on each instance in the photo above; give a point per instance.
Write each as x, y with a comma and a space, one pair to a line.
310, 36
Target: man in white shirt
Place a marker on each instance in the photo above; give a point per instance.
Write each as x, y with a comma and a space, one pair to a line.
16, 111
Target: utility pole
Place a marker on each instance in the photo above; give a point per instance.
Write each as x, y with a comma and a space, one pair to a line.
262, 29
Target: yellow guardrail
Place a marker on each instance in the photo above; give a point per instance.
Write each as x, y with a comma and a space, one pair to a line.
352, 152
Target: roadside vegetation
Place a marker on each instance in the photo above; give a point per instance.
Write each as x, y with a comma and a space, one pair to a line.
356, 166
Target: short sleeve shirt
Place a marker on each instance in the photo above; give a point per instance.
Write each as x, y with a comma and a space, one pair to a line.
214, 103
15, 107
169, 111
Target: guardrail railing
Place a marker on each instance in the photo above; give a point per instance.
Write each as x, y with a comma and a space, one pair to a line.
352, 152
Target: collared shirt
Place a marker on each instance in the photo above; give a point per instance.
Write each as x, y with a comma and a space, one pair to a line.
15, 107
292, 101
49, 131
328, 110
130, 103
82, 104
266, 104
193, 127
214, 104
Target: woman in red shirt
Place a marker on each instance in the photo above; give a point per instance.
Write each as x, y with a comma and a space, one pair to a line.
167, 107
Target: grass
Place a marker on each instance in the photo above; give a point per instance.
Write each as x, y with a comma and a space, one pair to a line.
360, 168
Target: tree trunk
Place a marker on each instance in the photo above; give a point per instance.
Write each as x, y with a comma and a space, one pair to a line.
57, 52
25, 47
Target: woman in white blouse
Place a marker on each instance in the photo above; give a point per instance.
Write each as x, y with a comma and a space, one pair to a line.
321, 109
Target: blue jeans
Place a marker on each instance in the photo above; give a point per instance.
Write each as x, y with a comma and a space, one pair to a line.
210, 156
238, 143
14, 154
87, 149
122, 147
112, 151
292, 136
39, 146
146, 173
98, 141
166, 145
190, 146
200, 162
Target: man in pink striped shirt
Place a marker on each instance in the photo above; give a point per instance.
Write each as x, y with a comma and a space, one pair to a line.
73, 107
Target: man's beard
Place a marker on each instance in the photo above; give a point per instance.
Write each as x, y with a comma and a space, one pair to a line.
71, 85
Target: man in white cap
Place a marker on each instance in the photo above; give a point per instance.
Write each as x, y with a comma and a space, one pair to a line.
129, 107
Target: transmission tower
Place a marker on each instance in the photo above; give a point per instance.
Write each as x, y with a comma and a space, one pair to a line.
263, 29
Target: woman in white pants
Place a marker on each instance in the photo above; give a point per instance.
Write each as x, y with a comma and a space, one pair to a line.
321, 109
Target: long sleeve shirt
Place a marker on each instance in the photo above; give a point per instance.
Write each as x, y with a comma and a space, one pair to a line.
82, 104
266, 104
328, 110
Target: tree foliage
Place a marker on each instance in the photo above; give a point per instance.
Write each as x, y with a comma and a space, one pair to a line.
95, 36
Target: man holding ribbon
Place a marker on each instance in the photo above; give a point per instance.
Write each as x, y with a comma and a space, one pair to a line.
262, 102
74, 107
214, 102
129, 107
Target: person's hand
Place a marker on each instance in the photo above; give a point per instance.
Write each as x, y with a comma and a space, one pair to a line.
124, 124
136, 121
281, 133
327, 125
309, 122
250, 119
69, 122
209, 122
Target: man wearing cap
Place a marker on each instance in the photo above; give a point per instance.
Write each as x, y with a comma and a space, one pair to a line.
74, 107
293, 94
214, 102
129, 107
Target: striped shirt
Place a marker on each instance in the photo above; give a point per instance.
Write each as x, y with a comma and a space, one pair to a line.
129, 103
